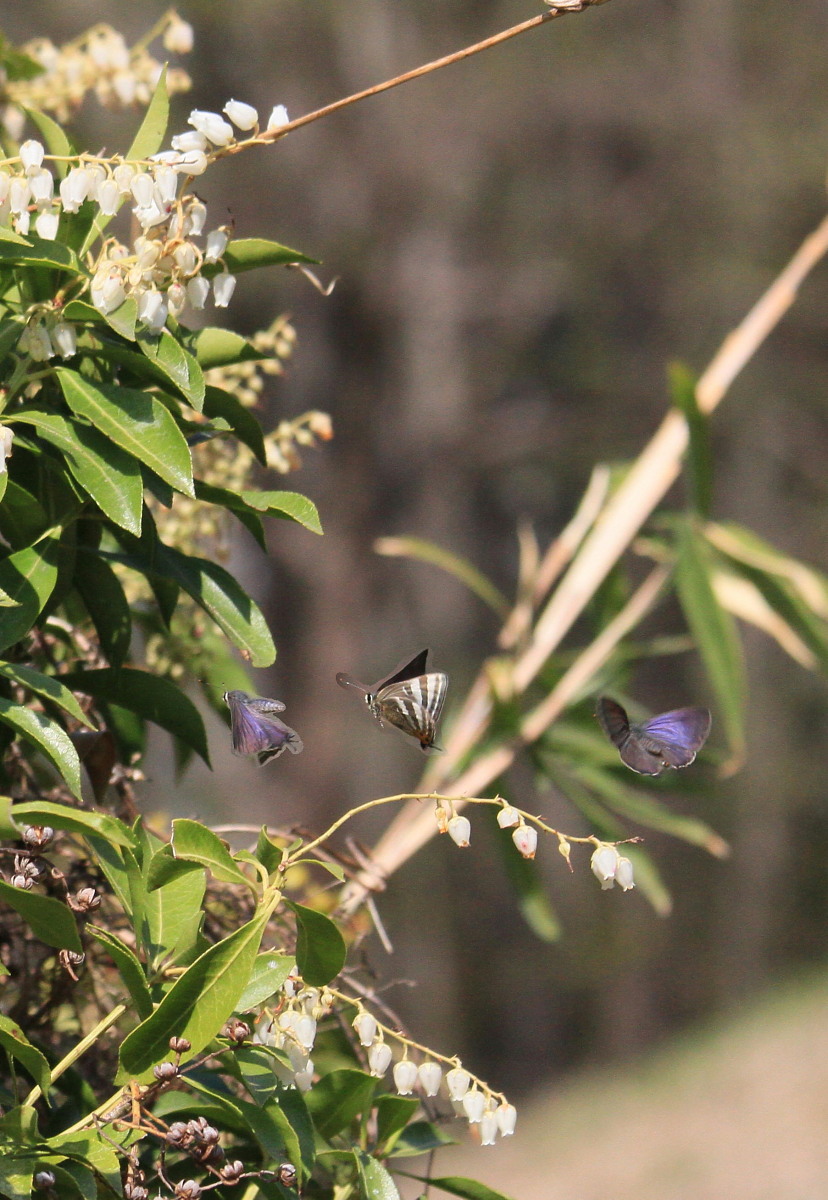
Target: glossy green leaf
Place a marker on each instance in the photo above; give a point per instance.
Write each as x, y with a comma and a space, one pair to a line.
74, 820
110, 860
28, 578
233, 502
23, 519
39, 252
460, 568
164, 867
193, 841
421, 1137
121, 320
320, 947
248, 254
393, 1114
468, 1189
129, 968
14, 1042
289, 1111
170, 916
714, 632
338, 1098
218, 403
699, 458
153, 129
110, 476
270, 970
50, 920
48, 737
291, 506
102, 592
137, 422
375, 1183
198, 1003
176, 364
228, 604
217, 347
16, 1173
151, 697
48, 686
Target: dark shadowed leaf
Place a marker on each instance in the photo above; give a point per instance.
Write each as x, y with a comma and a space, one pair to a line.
27, 578
48, 737
338, 1098
320, 947
49, 920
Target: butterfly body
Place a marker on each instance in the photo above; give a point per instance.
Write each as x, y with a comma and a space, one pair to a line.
257, 730
672, 739
410, 700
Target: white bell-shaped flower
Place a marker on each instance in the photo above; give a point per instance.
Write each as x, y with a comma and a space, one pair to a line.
6, 439
366, 1028
46, 224
604, 864
278, 118
508, 816
153, 310
244, 116
108, 197
431, 1076
474, 1105
405, 1076
488, 1128
178, 36
624, 874
525, 838
194, 221
143, 189
41, 185
223, 287
458, 1082
212, 125
108, 290
379, 1058
31, 155
194, 162
64, 339
19, 194
190, 139
506, 1119
305, 1030
304, 1079
215, 245
123, 175
198, 289
459, 830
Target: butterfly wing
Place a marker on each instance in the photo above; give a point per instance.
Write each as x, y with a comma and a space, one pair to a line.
678, 735
613, 720
255, 730
404, 672
414, 706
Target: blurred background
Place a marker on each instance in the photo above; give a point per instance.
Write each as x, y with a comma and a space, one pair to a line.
523, 243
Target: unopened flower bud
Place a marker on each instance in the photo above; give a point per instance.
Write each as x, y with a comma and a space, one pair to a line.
180, 1045
525, 838
232, 1172
459, 830
165, 1071
379, 1058
405, 1076
287, 1174
38, 836
278, 117
508, 816
44, 1180
431, 1076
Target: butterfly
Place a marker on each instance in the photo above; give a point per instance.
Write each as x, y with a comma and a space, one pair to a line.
672, 739
411, 699
256, 730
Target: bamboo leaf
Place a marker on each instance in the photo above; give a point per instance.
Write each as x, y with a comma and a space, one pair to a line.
460, 568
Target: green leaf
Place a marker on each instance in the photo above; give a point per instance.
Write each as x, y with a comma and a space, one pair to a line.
217, 347
292, 506
175, 363
248, 254
74, 820
715, 634
744, 547
320, 947
700, 460
289, 1111
40, 253
49, 920
16, 1173
23, 519
47, 686
164, 866
469, 1189
28, 577
198, 1003
121, 320
270, 970
234, 504
393, 1114
48, 737
14, 1042
129, 968
151, 697
338, 1098
103, 594
421, 1137
153, 129
460, 568
375, 1183
111, 477
221, 404
171, 917
195, 842
135, 421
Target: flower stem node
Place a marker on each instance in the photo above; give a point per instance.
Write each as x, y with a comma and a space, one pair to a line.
459, 830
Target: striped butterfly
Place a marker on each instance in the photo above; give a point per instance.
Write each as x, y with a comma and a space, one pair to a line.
672, 739
256, 730
411, 699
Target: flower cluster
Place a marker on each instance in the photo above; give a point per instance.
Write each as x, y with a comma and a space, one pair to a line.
98, 61
294, 1029
610, 867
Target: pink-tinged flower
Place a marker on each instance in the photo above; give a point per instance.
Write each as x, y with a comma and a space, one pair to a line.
525, 838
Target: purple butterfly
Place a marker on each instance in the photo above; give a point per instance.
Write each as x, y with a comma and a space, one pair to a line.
672, 739
256, 730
